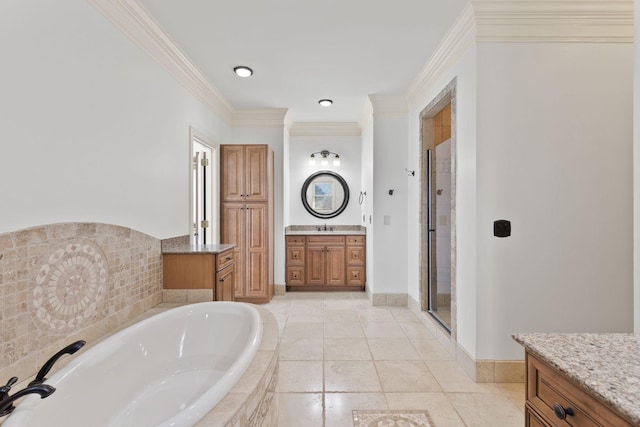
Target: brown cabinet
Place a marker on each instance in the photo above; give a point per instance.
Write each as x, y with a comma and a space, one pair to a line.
246, 217
554, 400
316, 262
200, 271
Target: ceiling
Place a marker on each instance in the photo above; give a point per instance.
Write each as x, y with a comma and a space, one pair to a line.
303, 51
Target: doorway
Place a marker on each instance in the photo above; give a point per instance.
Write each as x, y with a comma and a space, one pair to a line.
203, 215
437, 216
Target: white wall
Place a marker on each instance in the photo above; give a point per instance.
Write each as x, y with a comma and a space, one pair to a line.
464, 71
366, 208
92, 128
636, 171
389, 256
554, 157
300, 148
274, 138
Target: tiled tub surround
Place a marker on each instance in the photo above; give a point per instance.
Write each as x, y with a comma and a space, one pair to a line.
606, 365
69, 281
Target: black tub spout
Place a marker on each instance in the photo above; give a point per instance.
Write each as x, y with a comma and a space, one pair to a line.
6, 404
70, 349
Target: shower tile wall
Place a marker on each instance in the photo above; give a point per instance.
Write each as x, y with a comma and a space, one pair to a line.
64, 282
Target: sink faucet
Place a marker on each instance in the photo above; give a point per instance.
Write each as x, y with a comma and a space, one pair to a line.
70, 349
325, 226
6, 401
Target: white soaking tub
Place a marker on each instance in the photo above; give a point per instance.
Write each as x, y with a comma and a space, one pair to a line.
168, 370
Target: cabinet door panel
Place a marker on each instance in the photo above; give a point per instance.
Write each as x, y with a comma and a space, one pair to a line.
335, 274
225, 287
233, 229
233, 172
255, 173
257, 250
315, 257
355, 255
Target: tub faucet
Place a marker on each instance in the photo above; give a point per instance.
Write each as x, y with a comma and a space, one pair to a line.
70, 349
6, 401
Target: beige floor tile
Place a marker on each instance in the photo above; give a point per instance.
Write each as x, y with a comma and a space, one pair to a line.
300, 376
346, 349
392, 349
486, 410
416, 330
405, 376
350, 376
339, 406
375, 314
442, 413
404, 314
300, 409
452, 378
514, 391
343, 330
382, 330
303, 330
430, 349
345, 316
301, 349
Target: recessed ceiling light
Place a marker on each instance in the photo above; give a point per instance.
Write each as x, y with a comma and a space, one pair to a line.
325, 102
243, 71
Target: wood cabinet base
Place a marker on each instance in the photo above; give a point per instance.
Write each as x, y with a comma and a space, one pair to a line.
316, 288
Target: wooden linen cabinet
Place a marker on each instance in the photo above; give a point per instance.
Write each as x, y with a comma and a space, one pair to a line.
246, 217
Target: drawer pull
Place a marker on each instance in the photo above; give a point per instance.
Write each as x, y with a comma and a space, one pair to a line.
561, 412
228, 258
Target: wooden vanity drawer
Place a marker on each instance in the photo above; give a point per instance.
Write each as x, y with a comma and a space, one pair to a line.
295, 275
225, 259
355, 255
355, 276
325, 240
355, 240
295, 255
548, 392
295, 240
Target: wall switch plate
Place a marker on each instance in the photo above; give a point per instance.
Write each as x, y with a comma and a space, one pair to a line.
502, 228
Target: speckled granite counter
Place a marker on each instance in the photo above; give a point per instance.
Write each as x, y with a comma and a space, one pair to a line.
182, 245
197, 249
319, 229
606, 365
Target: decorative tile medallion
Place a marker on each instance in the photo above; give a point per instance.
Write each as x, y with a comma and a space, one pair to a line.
384, 418
71, 286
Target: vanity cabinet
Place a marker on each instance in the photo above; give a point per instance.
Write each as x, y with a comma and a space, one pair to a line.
246, 217
201, 271
325, 262
554, 400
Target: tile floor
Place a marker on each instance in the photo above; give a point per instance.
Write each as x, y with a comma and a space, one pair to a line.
339, 353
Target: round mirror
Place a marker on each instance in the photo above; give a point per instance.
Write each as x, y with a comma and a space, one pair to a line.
325, 194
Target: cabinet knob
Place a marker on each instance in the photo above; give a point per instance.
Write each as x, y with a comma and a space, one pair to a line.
228, 258
561, 412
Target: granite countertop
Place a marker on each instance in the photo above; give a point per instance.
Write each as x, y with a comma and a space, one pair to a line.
197, 249
331, 229
606, 365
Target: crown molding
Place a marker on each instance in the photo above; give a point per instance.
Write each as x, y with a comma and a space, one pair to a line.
389, 105
135, 22
269, 118
554, 21
325, 129
460, 37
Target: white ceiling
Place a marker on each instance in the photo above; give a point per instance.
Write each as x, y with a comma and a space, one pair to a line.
302, 51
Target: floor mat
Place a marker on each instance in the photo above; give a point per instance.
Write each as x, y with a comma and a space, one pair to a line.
386, 418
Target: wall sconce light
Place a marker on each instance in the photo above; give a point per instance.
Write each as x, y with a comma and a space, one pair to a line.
324, 158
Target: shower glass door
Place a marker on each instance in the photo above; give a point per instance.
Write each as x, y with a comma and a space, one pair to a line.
438, 227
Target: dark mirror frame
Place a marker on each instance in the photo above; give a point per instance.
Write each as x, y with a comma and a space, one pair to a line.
345, 189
